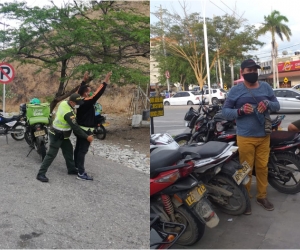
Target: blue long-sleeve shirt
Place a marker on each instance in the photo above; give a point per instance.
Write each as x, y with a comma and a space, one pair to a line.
249, 125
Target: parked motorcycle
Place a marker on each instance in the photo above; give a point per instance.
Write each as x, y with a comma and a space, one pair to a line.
211, 125
37, 117
284, 159
178, 197
222, 176
164, 235
100, 130
12, 125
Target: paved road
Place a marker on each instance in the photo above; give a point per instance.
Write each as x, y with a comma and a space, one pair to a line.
277, 229
172, 122
110, 212
261, 230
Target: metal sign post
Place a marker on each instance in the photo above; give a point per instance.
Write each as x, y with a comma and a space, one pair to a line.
7, 74
156, 109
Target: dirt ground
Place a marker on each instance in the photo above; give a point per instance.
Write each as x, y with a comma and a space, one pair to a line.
120, 132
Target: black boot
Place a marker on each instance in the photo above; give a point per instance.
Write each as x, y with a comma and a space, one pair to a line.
42, 178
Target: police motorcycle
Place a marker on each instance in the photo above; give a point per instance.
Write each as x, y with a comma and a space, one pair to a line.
37, 119
13, 126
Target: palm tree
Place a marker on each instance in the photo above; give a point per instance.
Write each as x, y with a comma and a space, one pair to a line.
274, 24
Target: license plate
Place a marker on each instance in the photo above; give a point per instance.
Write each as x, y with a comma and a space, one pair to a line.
39, 133
186, 124
240, 174
105, 124
195, 195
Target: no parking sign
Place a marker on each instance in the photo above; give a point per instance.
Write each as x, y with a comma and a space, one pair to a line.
7, 73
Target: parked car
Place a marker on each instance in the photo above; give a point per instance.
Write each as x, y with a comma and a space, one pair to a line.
296, 87
184, 98
289, 99
198, 88
217, 95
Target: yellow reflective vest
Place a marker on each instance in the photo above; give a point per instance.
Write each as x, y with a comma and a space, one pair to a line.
59, 122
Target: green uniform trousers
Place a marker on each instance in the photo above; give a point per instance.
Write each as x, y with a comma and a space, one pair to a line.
55, 145
255, 151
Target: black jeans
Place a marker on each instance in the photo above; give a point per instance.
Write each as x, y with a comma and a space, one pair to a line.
81, 148
67, 150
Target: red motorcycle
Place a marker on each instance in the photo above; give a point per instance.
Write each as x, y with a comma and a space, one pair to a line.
178, 197
163, 235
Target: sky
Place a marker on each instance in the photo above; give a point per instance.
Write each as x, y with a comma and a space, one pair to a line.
30, 3
252, 10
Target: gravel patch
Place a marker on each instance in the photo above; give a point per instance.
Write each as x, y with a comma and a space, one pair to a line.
127, 156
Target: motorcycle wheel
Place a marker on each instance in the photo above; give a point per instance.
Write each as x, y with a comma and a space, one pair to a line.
182, 141
28, 139
19, 136
235, 204
194, 228
100, 132
292, 186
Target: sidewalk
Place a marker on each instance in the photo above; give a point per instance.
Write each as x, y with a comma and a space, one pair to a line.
277, 229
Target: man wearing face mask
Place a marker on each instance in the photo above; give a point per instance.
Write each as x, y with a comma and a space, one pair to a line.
86, 121
248, 103
59, 133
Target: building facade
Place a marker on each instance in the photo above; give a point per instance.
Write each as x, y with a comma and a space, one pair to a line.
288, 67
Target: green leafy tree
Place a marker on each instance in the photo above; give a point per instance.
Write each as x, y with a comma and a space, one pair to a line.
227, 36
179, 68
274, 25
69, 41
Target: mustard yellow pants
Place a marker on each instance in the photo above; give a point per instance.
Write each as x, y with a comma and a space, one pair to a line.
255, 151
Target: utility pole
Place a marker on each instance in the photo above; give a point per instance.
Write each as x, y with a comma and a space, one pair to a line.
216, 66
220, 73
273, 65
206, 52
164, 45
276, 67
232, 73
3, 98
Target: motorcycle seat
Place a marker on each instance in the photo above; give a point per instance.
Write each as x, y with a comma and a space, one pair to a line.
161, 159
281, 137
209, 149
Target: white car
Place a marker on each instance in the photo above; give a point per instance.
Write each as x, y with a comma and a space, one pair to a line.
183, 98
217, 95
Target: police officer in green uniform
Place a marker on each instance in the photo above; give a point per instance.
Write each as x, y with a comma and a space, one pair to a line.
59, 133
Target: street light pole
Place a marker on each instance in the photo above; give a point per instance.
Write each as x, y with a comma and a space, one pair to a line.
206, 53
3, 98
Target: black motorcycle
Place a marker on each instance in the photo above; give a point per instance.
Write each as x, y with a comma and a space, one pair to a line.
99, 130
13, 125
37, 118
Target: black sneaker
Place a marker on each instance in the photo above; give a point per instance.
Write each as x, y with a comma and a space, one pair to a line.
42, 178
84, 177
73, 172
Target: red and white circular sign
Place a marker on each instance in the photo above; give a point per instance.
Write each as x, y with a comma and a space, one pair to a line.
167, 74
7, 73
